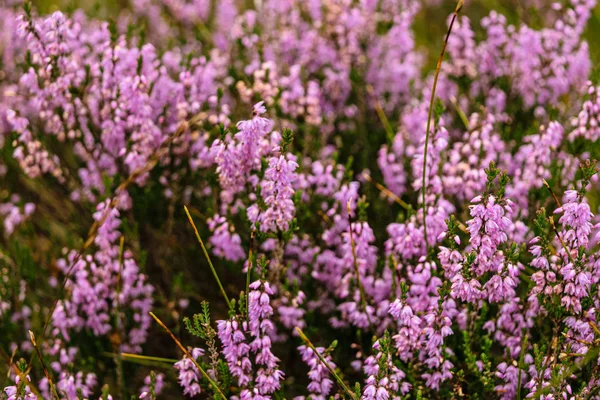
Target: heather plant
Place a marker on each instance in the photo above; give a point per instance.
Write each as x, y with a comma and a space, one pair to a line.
285, 199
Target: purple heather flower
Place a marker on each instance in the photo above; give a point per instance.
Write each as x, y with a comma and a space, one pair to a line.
158, 386
268, 376
464, 173
226, 243
320, 381
576, 217
587, 122
488, 230
11, 391
531, 164
69, 384
390, 162
236, 350
386, 382
509, 374
189, 376
277, 193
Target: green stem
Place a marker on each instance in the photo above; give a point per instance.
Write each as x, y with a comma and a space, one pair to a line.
520, 366
382, 117
118, 357
461, 113
356, 271
435, 81
46, 372
564, 245
325, 363
187, 353
212, 267
249, 271
144, 360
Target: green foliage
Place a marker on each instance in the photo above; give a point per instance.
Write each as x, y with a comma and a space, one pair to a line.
225, 378
452, 233
199, 325
152, 392
362, 206
484, 377
492, 173
105, 393
438, 110
287, 137
348, 171
114, 32
357, 391
404, 289
588, 170
419, 394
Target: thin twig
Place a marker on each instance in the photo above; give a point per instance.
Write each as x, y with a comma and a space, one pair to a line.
381, 114
562, 356
585, 342
325, 217
435, 81
386, 191
21, 374
212, 267
460, 112
356, 271
397, 279
551, 219
46, 372
118, 358
520, 365
149, 358
131, 356
187, 353
551, 192
249, 272
10, 361
325, 363
595, 328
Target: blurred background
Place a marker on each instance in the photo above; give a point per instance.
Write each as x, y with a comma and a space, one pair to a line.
428, 29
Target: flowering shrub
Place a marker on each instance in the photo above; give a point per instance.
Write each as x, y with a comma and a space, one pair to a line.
363, 226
